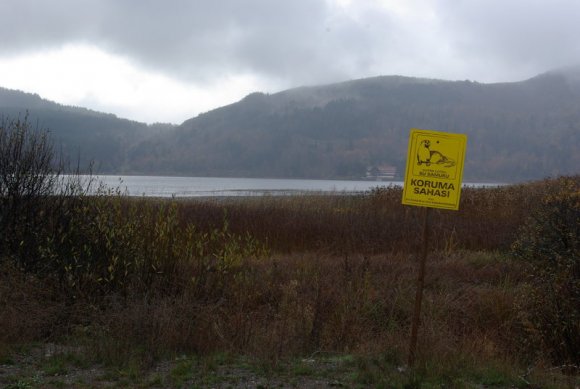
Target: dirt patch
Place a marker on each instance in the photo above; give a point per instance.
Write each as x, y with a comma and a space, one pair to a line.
57, 366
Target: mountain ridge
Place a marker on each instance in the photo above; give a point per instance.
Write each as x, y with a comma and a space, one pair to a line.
86, 136
339, 130
517, 131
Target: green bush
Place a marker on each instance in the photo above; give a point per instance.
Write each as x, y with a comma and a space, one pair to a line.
550, 243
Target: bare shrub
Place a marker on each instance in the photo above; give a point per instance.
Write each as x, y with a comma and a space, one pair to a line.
550, 242
34, 192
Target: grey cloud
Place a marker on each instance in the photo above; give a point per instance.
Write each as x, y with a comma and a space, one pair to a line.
528, 35
303, 41
289, 40
298, 41
31, 25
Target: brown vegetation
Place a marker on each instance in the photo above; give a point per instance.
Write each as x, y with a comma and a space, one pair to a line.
140, 280
284, 276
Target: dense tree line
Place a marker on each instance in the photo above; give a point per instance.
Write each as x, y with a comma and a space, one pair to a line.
516, 131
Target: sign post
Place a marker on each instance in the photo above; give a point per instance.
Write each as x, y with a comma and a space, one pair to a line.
432, 180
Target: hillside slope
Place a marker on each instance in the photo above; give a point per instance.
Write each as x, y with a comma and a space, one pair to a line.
80, 133
517, 131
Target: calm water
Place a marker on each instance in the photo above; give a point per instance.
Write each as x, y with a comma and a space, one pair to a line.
159, 186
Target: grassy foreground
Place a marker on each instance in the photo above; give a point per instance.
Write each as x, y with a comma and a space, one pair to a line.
302, 291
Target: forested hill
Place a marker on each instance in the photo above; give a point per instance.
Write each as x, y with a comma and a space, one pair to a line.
96, 137
516, 131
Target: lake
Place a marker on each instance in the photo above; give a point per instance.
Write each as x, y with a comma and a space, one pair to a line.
163, 186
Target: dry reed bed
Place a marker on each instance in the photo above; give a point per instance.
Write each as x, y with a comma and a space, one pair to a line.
292, 305
373, 223
339, 277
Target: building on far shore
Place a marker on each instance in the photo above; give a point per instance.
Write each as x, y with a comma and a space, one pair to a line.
381, 172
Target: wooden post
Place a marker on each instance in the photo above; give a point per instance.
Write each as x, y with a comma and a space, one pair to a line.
420, 283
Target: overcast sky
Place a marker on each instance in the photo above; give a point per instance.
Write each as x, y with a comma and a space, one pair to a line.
169, 60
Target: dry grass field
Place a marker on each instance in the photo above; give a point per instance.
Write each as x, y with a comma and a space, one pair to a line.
297, 291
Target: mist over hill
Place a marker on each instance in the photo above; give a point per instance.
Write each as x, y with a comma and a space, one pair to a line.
516, 131
83, 135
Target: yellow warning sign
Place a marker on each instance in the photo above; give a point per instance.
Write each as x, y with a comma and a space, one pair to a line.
434, 169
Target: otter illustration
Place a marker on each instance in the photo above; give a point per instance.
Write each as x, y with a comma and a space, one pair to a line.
427, 156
